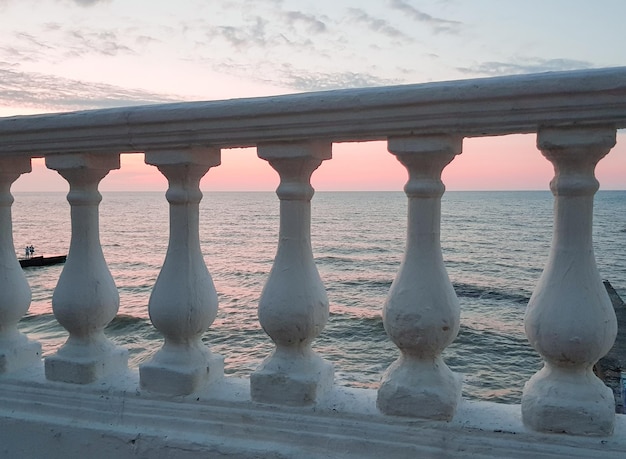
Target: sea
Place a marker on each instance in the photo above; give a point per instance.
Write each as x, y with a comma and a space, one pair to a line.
495, 245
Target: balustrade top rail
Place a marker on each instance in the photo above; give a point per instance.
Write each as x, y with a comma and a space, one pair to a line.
468, 108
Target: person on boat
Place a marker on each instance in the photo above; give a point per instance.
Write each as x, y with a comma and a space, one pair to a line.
31, 250
27, 252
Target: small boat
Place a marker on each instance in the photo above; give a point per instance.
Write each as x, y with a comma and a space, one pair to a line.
42, 261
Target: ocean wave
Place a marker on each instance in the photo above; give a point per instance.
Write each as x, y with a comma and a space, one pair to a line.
487, 293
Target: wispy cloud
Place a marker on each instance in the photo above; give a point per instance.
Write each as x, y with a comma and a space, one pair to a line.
300, 79
376, 24
32, 40
50, 93
438, 24
259, 34
146, 40
250, 34
61, 43
52, 26
89, 2
104, 42
17, 54
319, 81
525, 65
312, 23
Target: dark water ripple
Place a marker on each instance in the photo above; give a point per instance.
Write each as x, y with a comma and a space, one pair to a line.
480, 293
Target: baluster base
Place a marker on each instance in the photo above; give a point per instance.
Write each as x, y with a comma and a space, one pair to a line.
19, 355
173, 373
293, 381
83, 367
419, 389
576, 403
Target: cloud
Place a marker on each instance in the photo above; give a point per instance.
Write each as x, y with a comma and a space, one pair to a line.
16, 54
376, 25
103, 42
525, 65
146, 40
438, 24
304, 80
51, 26
258, 33
32, 40
312, 23
318, 81
25, 47
87, 3
244, 36
51, 93
288, 75
57, 44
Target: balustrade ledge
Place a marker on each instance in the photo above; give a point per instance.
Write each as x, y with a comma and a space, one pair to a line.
114, 418
467, 108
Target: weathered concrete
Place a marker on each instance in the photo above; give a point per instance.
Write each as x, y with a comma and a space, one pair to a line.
422, 313
569, 319
184, 302
85, 299
468, 108
16, 350
293, 307
112, 418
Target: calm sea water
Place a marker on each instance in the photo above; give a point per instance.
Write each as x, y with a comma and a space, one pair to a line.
495, 245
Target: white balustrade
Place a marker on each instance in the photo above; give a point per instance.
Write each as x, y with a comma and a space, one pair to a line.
293, 308
570, 320
183, 303
421, 314
85, 299
16, 350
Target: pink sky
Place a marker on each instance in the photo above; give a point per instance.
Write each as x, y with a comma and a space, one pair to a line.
494, 163
66, 55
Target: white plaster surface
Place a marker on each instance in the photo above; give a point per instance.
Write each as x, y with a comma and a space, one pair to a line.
16, 350
183, 303
114, 418
422, 314
293, 307
570, 320
85, 299
470, 108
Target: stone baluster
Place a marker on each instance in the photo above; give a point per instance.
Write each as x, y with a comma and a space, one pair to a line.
293, 307
570, 320
16, 351
422, 314
85, 299
183, 303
